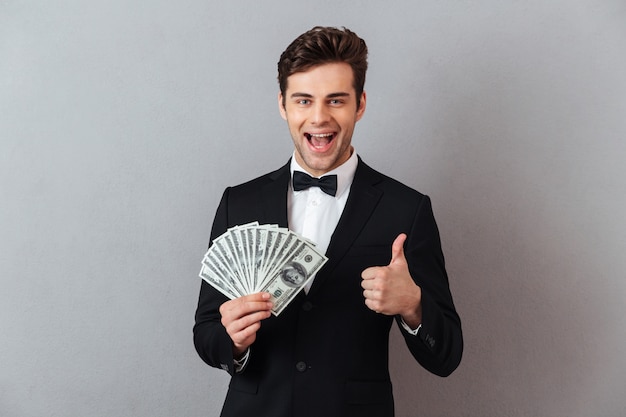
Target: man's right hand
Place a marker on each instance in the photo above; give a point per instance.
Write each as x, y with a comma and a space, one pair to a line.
242, 319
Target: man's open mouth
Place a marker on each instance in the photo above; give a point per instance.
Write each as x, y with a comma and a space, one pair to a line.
320, 140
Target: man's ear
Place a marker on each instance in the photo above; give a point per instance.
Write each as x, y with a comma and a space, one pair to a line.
281, 106
361, 109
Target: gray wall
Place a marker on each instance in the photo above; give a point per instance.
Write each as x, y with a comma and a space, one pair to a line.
122, 121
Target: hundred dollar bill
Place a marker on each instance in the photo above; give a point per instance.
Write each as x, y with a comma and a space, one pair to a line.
293, 275
217, 281
247, 239
274, 246
269, 239
241, 255
251, 258
287, 244
239, 246
230, 244
224, 257
260, 245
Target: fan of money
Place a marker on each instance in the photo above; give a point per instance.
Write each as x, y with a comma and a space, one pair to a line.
252, 258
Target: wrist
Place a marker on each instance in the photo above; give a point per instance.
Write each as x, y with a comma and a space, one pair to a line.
413, 315
412, 320
239, 353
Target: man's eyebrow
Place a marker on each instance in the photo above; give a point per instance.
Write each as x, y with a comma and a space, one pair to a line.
305, 95
340, 94
331, 95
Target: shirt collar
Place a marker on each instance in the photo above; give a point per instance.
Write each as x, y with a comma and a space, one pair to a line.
345, 172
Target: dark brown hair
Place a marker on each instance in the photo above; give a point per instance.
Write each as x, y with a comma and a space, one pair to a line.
323, 45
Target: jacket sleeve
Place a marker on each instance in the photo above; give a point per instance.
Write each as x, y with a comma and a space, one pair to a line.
210, 338
438, 346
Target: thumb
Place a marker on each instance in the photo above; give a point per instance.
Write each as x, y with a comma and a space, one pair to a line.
397, 249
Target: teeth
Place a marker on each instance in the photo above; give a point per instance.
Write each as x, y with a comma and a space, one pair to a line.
320, 135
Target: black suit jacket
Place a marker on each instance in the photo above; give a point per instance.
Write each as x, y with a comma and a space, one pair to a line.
326, 354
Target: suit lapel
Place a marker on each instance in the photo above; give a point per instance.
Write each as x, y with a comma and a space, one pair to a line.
363, 198
274, 197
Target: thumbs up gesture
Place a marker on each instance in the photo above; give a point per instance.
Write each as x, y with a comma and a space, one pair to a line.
390, 289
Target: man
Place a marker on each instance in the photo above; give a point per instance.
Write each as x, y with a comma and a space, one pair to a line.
326, 354
293, 274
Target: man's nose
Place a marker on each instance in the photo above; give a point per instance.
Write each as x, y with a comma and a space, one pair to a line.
320, 113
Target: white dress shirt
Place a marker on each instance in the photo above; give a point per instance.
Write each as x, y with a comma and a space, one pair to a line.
314, 214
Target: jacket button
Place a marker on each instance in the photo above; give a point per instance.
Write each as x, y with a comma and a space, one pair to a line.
307, 306
430, 341
301, 366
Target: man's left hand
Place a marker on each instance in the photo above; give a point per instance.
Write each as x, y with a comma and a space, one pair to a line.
390, 289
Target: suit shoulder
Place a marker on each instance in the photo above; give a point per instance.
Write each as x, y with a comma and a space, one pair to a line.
388, 183
259, 182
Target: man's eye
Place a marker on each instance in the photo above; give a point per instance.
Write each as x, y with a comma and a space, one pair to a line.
335, 102
304, 102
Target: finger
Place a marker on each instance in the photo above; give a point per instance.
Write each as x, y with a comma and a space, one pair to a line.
373, 305
246, 326
370, 273
249, 306
247, 303
257, 296
371, 295
373, 284
246, 336
234, 310
243, 337
248, 321
397, 249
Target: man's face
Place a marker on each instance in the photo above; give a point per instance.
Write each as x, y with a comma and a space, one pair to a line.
321, 111
292, 275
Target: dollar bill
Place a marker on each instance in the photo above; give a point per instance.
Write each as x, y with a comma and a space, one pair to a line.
296, 271
251, 258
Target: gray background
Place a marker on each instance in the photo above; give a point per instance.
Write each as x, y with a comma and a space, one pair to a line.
122, 121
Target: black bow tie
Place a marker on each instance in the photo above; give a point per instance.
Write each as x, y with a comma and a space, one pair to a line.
302, 181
